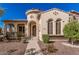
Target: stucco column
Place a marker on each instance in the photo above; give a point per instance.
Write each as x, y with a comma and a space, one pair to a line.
15, 25
5, 28
16, 28
54, 27
40, 31
62, 25
27, 30
37, 30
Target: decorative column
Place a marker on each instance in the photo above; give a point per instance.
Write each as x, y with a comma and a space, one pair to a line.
54, 27
37, 30
27, 30
15, 25
5, 28
62, 25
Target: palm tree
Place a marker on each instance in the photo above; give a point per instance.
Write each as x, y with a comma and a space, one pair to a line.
1, 12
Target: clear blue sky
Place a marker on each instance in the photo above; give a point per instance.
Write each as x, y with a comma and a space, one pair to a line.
17, 10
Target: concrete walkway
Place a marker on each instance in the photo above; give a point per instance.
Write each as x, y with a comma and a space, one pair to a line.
33, 43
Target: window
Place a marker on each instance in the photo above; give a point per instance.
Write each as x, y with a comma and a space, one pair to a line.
58, 26
50, 26
21, 28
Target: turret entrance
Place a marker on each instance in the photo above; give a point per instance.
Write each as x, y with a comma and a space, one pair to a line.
32, 29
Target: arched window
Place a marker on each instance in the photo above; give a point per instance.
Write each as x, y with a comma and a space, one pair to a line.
58, 26
50, 26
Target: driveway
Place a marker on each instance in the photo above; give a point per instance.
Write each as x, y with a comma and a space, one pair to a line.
65, 50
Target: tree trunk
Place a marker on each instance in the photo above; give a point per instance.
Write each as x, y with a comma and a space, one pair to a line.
70, 40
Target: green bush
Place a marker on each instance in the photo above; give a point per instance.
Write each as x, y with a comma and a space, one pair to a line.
19, 34
45, 38
71, 31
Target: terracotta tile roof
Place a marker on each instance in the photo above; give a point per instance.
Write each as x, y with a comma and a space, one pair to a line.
76, 13
15, 20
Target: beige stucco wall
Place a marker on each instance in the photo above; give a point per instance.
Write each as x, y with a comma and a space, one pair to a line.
49, 15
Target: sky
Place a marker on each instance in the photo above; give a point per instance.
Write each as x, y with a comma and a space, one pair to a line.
15, 11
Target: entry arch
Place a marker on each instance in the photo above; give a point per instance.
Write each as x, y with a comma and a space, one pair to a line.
32, 27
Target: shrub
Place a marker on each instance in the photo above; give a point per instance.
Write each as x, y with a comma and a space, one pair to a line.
45, 38
51, 48
20, 34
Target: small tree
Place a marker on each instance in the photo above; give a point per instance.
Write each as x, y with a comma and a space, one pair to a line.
71, 31
45, 38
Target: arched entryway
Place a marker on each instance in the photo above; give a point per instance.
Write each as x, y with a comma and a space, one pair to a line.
32, 29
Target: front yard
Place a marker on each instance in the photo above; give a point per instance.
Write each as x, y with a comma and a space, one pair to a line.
60, 49
12, 48
65, 50
55, 48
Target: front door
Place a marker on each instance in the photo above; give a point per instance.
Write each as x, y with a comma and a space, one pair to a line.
34, 30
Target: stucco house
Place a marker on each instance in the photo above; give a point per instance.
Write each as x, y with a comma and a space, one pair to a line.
39, 22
